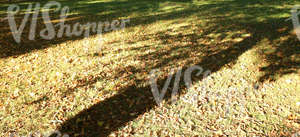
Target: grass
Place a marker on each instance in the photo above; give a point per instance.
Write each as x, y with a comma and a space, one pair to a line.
84, 88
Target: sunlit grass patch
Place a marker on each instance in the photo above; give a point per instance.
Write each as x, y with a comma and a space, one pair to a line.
42, 89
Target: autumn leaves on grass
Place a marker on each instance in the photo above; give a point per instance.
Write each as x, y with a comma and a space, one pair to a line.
49, 32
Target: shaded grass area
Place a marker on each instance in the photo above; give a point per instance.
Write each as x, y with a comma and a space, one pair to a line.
267, 28
211, 34
81, 11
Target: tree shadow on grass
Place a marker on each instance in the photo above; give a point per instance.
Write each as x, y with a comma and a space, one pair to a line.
283, 58
113, 113
84, 11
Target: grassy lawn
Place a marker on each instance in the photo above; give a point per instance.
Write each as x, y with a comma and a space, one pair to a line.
85, 88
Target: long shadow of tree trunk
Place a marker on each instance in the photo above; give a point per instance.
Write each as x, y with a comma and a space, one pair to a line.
133, 101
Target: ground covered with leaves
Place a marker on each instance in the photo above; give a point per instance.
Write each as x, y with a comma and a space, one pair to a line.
85, 88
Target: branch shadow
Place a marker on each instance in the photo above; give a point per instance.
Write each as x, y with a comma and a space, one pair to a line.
133, 101
83, 11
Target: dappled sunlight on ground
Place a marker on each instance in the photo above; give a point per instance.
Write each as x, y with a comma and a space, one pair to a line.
86, 88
